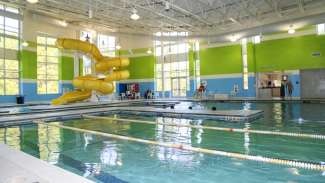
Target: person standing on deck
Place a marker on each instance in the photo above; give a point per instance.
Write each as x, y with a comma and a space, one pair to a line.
290, 88
282, 90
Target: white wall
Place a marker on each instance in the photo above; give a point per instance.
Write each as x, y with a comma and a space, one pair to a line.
34, 24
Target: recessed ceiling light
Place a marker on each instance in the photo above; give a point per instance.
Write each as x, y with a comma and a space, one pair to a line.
134, 15
32, 1
291, 30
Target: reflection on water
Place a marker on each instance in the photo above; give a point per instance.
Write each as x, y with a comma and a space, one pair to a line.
199, 132
246, 138
110, 154
277, 114
11, 137
49, 138
104, 159
173, 134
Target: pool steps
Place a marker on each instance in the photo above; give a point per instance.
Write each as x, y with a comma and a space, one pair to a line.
291, 163
245, 130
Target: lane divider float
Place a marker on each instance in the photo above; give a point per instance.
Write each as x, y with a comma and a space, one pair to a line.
245, 130
291, 163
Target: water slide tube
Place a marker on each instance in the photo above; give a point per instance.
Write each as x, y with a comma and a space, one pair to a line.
105, 66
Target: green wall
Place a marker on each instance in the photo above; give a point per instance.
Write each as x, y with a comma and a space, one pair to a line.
141, 67
67, 68
221, 60
29, 66
290, 53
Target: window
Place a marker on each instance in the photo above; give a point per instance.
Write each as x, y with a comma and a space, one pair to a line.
245, 64
172, 65
9, 46
197, 68
47, 65
320, 29
106, 45
86, 36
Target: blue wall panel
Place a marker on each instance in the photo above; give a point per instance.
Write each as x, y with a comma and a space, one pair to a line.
295, 79
143, 87
226, 85
29, 91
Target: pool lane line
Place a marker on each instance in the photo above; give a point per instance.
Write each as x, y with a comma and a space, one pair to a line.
238, 130
291, 163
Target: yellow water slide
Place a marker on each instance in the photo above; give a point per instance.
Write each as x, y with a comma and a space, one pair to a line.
104, 66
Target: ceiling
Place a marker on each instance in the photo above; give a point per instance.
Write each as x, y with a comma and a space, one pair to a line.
198, 17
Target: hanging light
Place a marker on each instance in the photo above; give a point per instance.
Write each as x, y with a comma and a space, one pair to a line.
134, 15
90, 13
291, 30
25, 44
257, 39
233, 38
63, 23
32, 1
149, 51
118, 46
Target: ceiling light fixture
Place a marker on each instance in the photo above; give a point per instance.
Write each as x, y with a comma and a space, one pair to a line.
64, 23
90, 13
25, 44
257, 39
118, 47
167, 6
134, 15
32, 1
233, 38
291, 30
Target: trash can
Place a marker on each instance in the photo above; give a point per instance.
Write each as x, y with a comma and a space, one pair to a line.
20, 99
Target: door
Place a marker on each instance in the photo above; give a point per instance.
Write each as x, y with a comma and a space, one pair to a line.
179, 87
312, 83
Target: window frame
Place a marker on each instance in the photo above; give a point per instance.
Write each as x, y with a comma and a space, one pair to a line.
45, 79
9, 32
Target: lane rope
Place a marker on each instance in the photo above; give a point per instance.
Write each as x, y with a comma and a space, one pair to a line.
291, 163
245, 130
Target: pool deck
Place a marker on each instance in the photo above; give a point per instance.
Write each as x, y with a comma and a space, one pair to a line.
224, 115
76, 111
19, 167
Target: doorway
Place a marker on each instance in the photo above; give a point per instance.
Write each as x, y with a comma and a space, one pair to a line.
179, 87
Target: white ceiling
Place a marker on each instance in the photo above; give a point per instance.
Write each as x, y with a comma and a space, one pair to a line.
199, 17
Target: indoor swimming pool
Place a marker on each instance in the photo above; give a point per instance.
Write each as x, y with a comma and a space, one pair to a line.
104, 159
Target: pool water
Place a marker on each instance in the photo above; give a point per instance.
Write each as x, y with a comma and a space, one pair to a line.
102, 159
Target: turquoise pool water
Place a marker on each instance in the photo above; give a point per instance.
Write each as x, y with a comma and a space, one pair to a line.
103, 159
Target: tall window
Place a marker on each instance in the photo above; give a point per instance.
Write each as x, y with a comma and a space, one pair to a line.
197, 68
47, 65
106, 45
9, 46
86, 36
245, 64
172, 65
